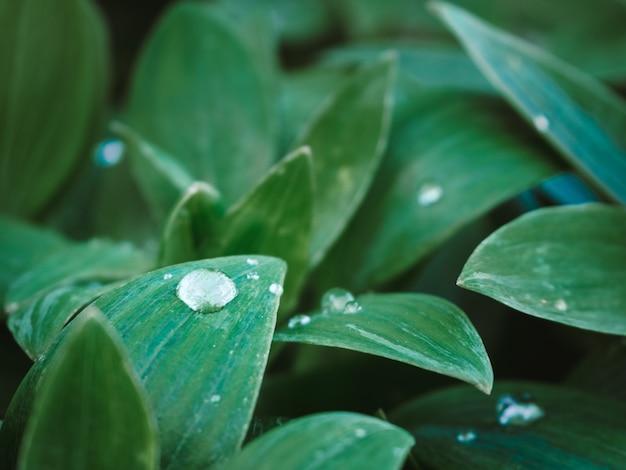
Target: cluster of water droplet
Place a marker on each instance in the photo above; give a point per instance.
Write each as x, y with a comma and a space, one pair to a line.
338, 300
518, 411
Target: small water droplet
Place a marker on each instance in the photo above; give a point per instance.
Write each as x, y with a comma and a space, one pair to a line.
469, 435
338, 300
276, 289
541, 122
360, 432
215, 398
298, 320
560, 305
253, 276
429, 194
167, 276
109, 153
518, 411
206, 290
252, 261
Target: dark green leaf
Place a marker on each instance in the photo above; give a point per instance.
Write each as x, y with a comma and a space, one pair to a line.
327, 441
578, 115
563, 264
52, 88
274, 219
457, 158
90, 409
348, 138
201, 96
459, 428
190, 228
419, 329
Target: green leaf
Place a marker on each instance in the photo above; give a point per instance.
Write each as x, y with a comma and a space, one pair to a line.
458, 157
578, 115
190, 227
161, 178
563, 264
274, 219
200, 95
98, 261
90, 409
202, 372
51, 96
418, 329
348, 138
458, 428
327, 441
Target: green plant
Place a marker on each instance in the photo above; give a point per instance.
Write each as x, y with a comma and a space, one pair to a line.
174, 300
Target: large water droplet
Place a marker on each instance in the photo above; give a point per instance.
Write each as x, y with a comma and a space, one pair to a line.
518, 411
541, 122
429, 194
338, 300
276, 289
298, 320
109, 153
206, 290
469, 435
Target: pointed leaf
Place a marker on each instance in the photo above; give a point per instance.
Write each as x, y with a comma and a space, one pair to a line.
419, 329
52, 89
578, 115
199, 94
90, 410
275, 219
348, 138
563, 264
190, 227
458, 428
327, 441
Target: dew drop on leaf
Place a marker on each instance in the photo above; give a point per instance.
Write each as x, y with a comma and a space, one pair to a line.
518, 411
429, 194
252, 261
464, 437
109, 152
360, 432
338, 300
206, 290
215, 398
254, 276
298, 320
167, 276
276, 289
541, 123
560, 305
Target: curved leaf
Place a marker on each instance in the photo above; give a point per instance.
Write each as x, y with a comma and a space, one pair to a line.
578, 115
419, 329
459, 428
199, 94
348, 138
52, 90
90, 409
327, 441
563, 264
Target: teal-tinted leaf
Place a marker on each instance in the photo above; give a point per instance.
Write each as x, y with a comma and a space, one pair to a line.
190, 228
563, 264
328, 441
200, 95
458, 428
348, 138
53, 58
90, 409
36, 323
21, 245
161, 178
97, 261
419, 329
202, 371
579, 116
274, 219
458, 157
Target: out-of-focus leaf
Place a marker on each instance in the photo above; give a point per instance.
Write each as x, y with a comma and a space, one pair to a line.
90, 410
348, 138
97, 261
274, 219
52, 88
419, 329
563, 264
200, 95
579, 116
459, 428
457, 158
190, 228
327, 441
161, 178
